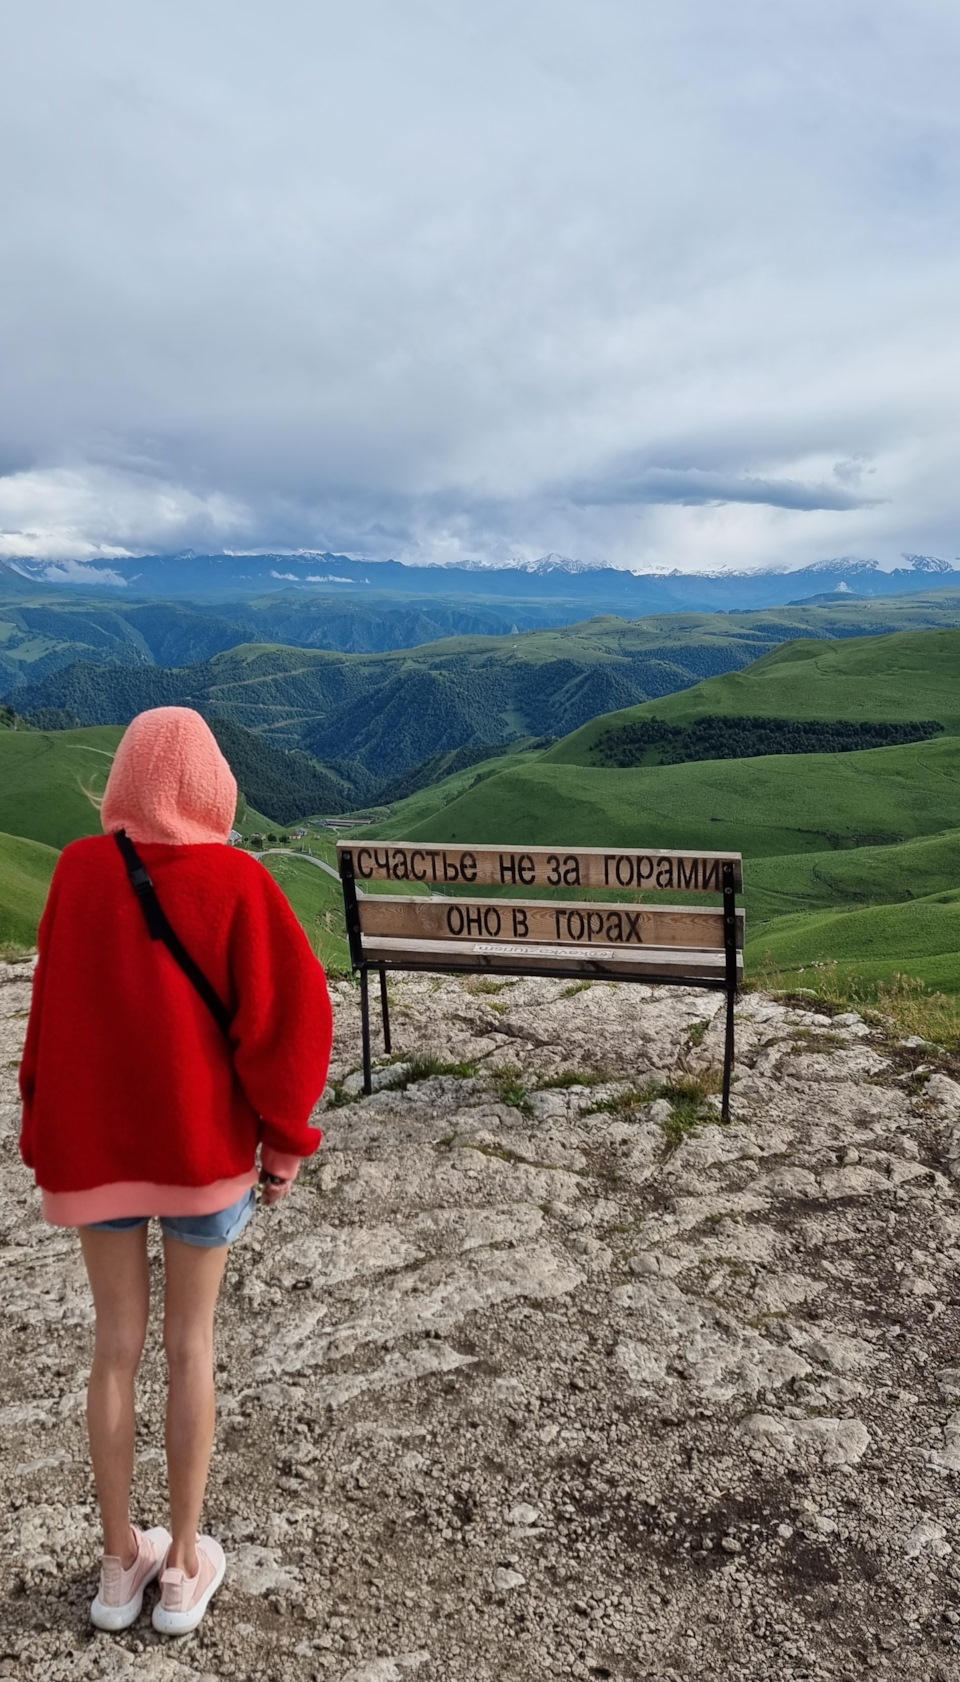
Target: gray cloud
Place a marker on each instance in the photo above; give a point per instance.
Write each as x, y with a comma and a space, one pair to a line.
666, 285
692, 487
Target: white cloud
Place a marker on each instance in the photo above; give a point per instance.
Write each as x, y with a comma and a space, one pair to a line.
95, 513
672, 285
76, 572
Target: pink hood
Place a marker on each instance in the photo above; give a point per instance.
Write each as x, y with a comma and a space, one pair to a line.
169, 781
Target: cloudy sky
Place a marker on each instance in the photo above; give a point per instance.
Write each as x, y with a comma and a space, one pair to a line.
670, 285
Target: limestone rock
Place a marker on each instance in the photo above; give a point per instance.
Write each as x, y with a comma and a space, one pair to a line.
696, 1390
504, 1580
944, 1093
927, 1534
837, 1442
254, 1570
393, 1669
523, 1514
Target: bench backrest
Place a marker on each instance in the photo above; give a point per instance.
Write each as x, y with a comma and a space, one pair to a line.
549, 935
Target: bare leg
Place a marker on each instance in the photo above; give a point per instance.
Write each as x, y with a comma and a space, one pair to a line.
119, 1275
193, 1283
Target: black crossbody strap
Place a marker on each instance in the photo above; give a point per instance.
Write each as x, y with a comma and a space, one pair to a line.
161, 929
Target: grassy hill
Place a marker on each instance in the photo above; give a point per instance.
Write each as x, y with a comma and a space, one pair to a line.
406, 814
852, 848
374, 718
42, 631
852, 878
318, 902
386, 713
43, 777
283, 783
919, 938
25, 871
907, 675
797, 804
41, 634
853, 856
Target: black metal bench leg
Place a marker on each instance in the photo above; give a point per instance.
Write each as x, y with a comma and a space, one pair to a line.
731, 978
385, 1009
365, 1030
728, 1052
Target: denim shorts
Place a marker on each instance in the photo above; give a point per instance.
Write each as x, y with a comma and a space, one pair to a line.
207, 1231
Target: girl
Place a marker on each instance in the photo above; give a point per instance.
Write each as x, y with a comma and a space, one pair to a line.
144, 1095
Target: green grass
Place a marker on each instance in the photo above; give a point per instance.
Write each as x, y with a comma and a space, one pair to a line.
920, 938
25, 871
902, 1006
318, 902
406, 815
907, 675
251, 822
847, 856
686, 1095
761, 807
42, 781
848, 879
569, 1077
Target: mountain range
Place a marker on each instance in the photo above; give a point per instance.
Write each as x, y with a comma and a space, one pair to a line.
553, 579
373, 727
371, 718
830, 762
850, 857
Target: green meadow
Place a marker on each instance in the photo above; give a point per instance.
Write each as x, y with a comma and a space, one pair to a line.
25, 871
852, 857
919, 938
44, 776
907, 675
852, 860
780, 804
318, 902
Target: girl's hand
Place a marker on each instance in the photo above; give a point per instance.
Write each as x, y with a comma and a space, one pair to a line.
275, 1189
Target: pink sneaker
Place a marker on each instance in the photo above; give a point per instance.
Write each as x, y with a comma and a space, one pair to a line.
120, 1595
183, 1600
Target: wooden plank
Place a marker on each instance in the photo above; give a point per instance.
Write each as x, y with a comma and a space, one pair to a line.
674, 964
553, 922
432, 864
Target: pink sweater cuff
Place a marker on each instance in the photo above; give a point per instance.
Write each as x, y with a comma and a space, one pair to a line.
279, 1162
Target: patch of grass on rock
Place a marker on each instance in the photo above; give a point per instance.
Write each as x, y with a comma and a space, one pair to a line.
424, 1068
569, 1077
687, 1096
511, 1089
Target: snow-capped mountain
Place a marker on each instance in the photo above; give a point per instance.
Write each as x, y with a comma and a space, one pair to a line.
540, 568
586, 587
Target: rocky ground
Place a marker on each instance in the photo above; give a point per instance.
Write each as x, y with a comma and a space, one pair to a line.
541, 1371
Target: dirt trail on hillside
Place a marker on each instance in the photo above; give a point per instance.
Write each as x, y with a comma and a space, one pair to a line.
526, 1381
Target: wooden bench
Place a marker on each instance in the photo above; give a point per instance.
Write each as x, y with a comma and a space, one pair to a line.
455, 932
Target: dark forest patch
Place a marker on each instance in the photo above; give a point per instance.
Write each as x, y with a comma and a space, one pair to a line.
651, 741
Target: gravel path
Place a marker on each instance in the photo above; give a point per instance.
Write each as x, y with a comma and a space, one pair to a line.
541, 1372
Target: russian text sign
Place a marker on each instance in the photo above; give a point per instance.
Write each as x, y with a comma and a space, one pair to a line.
430, 864
544, 921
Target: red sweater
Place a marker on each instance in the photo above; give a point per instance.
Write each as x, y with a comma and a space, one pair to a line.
132, 1101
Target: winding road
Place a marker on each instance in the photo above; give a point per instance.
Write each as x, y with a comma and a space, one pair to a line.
308, 858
